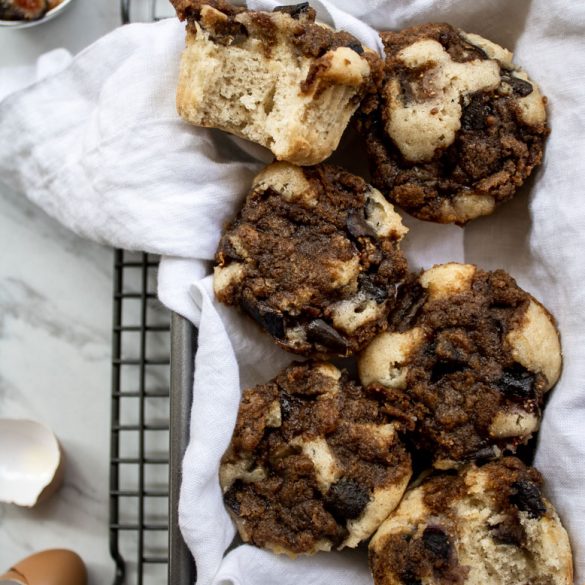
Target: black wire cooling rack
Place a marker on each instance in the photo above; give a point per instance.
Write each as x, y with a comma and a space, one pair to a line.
152, 352
139, 463
149, 428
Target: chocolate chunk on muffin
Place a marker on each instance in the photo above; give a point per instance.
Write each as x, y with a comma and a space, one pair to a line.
456, 127
276, 78
313, 257
485, 525
466, 362
313, 464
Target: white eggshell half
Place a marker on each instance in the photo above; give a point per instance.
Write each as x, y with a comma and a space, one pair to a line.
30, 462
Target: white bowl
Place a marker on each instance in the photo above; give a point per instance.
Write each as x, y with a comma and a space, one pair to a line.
28, 23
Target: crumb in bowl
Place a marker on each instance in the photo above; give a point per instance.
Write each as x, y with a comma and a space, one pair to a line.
26, 9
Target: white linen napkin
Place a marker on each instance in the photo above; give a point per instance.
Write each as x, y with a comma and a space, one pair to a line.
100, 147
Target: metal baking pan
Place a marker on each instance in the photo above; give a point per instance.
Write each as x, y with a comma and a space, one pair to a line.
183, 346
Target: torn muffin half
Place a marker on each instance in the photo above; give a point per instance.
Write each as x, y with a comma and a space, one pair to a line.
488, 524
276, 78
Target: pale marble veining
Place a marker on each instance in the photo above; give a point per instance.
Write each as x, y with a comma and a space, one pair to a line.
55, 321
55, 337
55, 350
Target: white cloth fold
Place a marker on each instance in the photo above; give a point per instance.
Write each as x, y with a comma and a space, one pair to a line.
99, 146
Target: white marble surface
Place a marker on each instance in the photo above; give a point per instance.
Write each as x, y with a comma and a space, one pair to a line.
55, 336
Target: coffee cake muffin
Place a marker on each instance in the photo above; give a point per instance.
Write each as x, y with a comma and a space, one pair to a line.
485, 525
313, 464
466, 362
277, 79
313, 257
456, 128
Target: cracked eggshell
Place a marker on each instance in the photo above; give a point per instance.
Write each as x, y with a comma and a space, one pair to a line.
31, 462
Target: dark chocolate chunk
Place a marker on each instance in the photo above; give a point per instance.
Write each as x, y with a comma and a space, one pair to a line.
287, 403
227, 250
517, 382
357, 225
436, 541
318, 331
519, 86
526, 496
239, 38
510, 531
474, 49
230, 32
347, 499
475, 114
409, 578
230, 497
357, 47
444, 38
378, 293
444, 368
526, 451
483, 455
271, 320
294, 10
409, 302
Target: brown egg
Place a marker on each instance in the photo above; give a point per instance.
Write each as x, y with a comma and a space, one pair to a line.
49, 567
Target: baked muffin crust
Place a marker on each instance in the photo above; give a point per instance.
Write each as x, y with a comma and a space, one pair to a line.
313, 257
313, 462
466, 362
456, 128
488, 524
